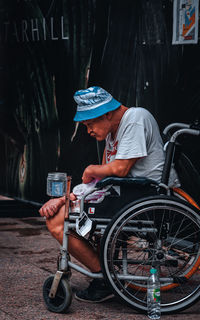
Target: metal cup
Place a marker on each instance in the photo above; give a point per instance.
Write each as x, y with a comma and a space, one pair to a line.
56, 184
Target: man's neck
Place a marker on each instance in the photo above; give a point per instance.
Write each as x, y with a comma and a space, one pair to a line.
117, 116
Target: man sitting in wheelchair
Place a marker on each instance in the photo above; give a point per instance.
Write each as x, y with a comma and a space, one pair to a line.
133, 148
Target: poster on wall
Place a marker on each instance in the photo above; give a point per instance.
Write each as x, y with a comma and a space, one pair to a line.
185, 21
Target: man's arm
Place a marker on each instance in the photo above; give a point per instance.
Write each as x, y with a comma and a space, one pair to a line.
119, 168
104, 157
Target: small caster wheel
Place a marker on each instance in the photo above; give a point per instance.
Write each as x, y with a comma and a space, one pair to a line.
63, 297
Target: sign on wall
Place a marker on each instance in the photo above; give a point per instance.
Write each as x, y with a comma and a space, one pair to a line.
185, 21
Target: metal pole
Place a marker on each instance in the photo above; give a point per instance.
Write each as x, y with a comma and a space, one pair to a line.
64, 249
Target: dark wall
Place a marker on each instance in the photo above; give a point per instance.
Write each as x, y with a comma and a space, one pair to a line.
138, 64
47, 48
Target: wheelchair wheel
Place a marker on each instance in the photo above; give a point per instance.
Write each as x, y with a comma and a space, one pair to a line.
160, 231
63, 298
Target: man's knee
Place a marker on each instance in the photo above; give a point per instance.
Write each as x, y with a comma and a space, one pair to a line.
54, 227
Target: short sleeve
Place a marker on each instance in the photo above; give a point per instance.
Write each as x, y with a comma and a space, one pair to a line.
132, 143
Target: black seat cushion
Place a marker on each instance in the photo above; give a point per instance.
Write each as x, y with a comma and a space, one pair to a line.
114, 202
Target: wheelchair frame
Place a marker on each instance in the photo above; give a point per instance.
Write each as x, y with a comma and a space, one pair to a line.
56, 289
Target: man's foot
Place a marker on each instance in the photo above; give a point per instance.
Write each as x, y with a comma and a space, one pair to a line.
96, 292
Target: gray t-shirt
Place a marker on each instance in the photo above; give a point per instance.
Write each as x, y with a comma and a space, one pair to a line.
138, 136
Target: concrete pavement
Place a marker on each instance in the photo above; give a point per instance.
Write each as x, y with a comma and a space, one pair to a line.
27, 257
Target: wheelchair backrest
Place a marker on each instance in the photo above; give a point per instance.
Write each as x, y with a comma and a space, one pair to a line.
188, 175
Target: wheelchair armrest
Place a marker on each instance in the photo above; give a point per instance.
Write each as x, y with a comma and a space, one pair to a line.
117, 181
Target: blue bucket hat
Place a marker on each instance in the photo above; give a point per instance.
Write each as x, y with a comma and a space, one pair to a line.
93, 103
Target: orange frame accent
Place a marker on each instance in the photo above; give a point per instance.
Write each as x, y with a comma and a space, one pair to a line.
186, 197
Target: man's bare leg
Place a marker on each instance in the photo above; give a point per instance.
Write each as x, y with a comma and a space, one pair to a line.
78, 247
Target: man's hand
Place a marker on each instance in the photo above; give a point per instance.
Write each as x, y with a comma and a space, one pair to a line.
88, 174
51, 207
119, 168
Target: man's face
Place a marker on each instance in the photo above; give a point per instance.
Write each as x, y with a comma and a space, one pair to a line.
98, 128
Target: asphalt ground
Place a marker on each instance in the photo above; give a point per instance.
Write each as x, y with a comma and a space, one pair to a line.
28, 256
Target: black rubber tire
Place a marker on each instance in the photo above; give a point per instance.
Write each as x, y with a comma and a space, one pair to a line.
63, 298
155, 206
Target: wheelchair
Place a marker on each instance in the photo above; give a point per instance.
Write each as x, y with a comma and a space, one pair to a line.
140, 224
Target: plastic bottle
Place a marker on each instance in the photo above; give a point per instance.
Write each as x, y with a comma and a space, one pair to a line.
153, 295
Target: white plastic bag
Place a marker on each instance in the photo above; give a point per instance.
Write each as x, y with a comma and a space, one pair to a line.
97, 196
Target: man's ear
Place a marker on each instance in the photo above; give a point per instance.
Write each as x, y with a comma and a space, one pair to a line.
109, 115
